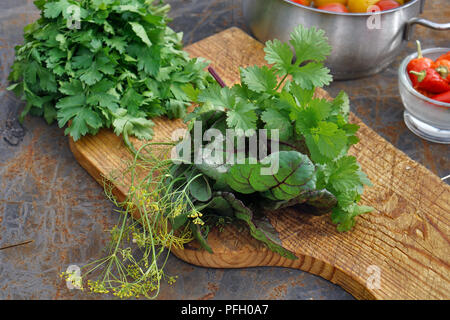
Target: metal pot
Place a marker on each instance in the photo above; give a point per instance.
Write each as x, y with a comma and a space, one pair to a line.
363, 43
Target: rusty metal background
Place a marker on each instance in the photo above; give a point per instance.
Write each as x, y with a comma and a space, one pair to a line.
46, 196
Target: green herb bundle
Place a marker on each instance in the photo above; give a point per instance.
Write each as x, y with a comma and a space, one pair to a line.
91, 64
315, 172
179, 201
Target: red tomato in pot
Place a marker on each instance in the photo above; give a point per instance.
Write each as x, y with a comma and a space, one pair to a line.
303, 2
387, 4
335, 7
319, 3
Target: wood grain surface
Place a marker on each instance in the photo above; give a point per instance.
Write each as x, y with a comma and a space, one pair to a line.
399, 251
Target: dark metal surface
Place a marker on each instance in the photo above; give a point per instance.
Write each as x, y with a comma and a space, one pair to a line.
47, 197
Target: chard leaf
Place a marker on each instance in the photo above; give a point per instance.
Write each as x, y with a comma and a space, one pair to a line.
260, 228
200, 189
220, 205
201, 236
294, 174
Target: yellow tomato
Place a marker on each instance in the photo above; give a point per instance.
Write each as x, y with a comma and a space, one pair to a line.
318, 3
360, 5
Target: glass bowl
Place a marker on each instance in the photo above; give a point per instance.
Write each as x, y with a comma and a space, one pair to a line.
427, 118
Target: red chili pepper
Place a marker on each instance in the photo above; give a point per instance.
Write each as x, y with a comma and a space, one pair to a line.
443, 97
443, 67
418, 64
426, 93
430, 80
445, 56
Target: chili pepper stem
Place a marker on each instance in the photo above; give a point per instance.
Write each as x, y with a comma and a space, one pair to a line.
419, 49
443, 71
420, 75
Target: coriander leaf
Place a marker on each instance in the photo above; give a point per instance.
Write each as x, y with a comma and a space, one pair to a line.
242, 116
277, 121
341, 105
345, 217
280, 55
259, 79
220, 97
328, 138
148, 58
310, 115
346, 175
309, 44
312, 75
47, 80
191, 92
303, 96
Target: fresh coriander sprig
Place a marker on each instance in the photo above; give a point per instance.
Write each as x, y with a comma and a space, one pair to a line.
282, 97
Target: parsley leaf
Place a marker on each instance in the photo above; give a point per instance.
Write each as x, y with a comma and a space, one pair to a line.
120, 55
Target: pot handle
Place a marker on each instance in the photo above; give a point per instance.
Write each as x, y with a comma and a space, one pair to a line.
425, 23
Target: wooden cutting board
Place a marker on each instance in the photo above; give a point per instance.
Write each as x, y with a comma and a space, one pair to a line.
399, 251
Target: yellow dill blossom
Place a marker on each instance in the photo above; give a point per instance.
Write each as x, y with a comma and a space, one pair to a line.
97, 287
178, 210
129, 205
194, 214
155, 206
171, 280
198, 221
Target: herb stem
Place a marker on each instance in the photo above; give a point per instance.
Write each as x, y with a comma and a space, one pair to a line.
281, 82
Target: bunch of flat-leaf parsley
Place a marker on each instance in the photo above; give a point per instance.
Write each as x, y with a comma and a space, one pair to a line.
91, 64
